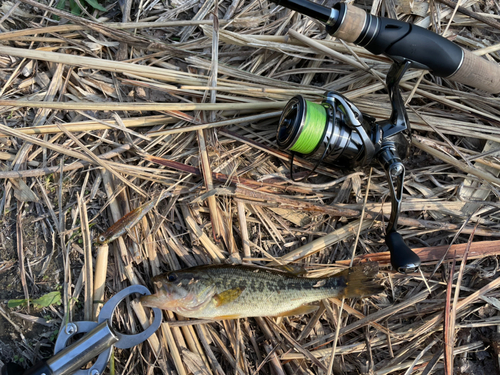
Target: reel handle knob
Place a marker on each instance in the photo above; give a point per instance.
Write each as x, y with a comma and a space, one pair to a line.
403, 259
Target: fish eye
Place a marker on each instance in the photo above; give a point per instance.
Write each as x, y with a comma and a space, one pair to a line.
172, 277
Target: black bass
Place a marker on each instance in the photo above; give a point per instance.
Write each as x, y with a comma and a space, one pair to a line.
230, 292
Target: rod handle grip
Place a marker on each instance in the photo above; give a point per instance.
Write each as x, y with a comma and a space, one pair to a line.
427, 50
478, 72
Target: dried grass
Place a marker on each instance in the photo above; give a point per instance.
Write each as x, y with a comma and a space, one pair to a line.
99, 117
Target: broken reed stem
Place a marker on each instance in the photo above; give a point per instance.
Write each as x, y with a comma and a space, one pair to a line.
449, 342
101, 267
139, 107
209, 185
12, 35
143, 319
80, 126
433, 254
173, 349
20, 251
87, 249
448, 331
457, 164
243, 228
239, 120
319, 244
112, 193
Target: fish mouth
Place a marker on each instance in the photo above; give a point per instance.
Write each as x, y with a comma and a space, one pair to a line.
150, 301
165, 300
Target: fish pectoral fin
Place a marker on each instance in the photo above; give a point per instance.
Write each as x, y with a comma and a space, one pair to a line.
304, 309
227, 296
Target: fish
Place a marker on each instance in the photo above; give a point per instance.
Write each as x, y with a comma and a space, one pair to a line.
241, 291
129, 220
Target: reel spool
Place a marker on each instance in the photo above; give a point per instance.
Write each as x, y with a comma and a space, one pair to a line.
323, 132
337, 133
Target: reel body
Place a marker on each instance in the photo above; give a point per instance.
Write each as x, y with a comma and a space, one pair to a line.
337, 133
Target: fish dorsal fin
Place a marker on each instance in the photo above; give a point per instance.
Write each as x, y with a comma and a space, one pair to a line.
304, 309
292, 269
227, 296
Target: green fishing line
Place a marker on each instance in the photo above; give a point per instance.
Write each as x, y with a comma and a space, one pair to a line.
312, 132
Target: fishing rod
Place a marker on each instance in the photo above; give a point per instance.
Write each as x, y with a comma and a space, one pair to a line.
402, 41
336, 132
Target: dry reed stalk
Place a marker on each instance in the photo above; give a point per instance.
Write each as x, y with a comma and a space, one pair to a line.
225, 352
450, 320
99, 283
433, 254
116, 213
81, 106
280, 154
212, 249
209, 185
243, 228
202, 334
97, 125
332, 53
66, 168
452, 161
88, 265
323, 242
194, 344
241, 120
20, 252
144, 321
219, 176
101, 162
449, 327
15, 35
77, 72
173, 349
296, 345
148, 243
341, 308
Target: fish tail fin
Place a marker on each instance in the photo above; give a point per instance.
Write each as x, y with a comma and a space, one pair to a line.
361, 281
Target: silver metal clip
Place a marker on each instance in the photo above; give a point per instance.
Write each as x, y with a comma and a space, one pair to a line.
99, 339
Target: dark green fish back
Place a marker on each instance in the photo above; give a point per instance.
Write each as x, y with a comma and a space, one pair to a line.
264, 292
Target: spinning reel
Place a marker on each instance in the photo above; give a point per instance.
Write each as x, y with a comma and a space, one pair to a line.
335, 132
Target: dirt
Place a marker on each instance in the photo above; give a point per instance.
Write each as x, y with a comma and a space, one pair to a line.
28, 342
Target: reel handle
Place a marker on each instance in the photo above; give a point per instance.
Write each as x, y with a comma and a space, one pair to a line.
403, 259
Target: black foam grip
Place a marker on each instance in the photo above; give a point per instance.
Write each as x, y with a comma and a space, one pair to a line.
403, 259
400, 40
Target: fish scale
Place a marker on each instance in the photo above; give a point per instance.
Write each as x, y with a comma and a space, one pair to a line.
226, 291
267, 292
